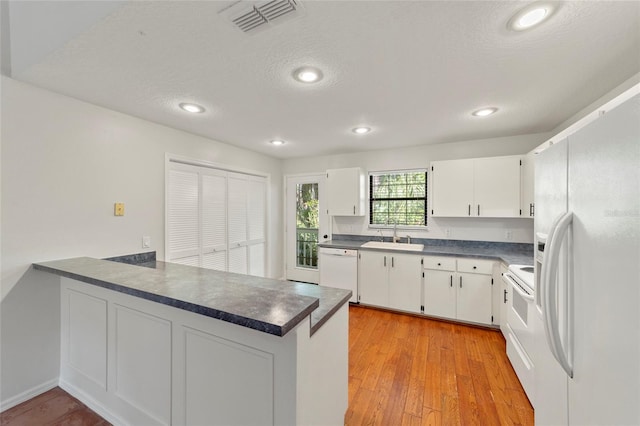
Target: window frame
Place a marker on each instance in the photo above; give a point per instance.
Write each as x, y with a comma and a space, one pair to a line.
370, 199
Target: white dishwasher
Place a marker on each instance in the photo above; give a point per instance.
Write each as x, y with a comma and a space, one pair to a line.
339, 269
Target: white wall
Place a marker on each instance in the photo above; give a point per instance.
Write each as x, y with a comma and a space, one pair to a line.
420, 157
64, 164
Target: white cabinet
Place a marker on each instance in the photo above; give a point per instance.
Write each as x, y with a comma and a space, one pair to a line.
451, 188
477, 187
390, 280
373, 278
458, 289
405, 282
345, 192
439, 293
527, 180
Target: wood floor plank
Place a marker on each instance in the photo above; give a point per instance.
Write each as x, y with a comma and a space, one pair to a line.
431, 417
8, 415
415, 393
411, 420
46, 411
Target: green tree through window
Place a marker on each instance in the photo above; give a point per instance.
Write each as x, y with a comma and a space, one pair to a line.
398, 198
307, 225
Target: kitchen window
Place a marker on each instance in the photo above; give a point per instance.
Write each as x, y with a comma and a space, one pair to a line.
398, 198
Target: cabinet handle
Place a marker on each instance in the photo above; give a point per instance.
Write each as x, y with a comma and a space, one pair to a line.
475, 267
385, 261
438, 264
504, 298
469, 209
354, 210
531, 209
478, 209
451, 282
460, 282
392, 261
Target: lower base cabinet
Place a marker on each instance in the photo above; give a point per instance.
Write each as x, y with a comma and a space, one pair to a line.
390, 280
447, 287
459, 289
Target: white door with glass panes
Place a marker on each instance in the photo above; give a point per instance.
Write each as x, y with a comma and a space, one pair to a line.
307, 223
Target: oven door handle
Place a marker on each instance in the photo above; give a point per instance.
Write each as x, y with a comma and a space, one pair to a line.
517, 287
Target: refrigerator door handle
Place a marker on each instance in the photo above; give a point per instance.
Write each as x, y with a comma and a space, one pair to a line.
549, 290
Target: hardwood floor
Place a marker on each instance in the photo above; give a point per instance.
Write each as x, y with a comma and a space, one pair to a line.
53, 408
403, 370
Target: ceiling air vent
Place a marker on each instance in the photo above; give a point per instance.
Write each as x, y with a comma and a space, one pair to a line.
251, 17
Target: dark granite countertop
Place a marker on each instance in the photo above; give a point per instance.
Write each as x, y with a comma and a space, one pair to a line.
509, 253
267, 305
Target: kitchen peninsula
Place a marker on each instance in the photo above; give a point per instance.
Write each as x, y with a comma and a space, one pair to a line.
162, 343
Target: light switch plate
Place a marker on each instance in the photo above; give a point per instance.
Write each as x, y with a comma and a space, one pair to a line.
118, 209
146, 241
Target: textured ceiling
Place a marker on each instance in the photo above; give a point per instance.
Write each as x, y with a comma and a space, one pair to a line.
411, 70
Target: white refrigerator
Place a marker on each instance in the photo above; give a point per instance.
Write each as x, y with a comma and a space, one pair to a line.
587, 316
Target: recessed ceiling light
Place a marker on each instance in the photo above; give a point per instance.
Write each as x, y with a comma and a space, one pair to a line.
530, 16
484, 112
277, 142
191, 107
307, 74
361, 130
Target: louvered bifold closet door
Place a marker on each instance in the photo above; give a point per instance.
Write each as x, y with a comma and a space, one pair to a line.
256, 214
213, 201
182, 216
237, 222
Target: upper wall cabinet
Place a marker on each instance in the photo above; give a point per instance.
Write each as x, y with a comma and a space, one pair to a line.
345, 192
528, 207
476, 187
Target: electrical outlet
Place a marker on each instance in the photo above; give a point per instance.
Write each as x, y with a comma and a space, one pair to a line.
146, 242
447, 232
508, 234
118, 209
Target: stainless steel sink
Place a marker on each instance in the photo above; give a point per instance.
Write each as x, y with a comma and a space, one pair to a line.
393, 246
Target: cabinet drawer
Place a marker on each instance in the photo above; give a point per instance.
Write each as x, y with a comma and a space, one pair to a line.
441, 263
475, 266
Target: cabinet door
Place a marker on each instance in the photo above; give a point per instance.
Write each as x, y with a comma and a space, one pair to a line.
345, 192
452, 188
527, 180
213, 208
183, 240
373, 278
439, 293
497, 187
474, 298
405, 278
237, 223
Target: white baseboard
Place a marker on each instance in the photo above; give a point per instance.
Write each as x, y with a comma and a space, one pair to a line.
28, 394
90, 402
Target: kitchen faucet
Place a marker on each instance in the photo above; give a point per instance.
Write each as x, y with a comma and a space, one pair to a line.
381, 237
395, 230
